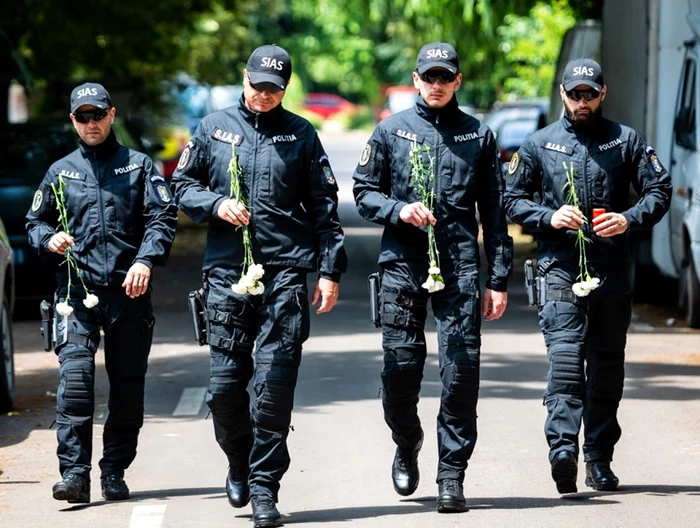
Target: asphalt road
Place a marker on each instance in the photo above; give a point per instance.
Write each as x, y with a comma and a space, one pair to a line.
341, 449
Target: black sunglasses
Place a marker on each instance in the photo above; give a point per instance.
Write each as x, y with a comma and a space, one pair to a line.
577, 95
266, 87
95, 115
431, 76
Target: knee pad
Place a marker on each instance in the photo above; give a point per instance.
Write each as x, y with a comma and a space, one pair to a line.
76, 388
274, 388
460, 375
227, 391
566, 369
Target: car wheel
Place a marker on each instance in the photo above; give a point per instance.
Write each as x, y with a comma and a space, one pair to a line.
7, 363
692, 294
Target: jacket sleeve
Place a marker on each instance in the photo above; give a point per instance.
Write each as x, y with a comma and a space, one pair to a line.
321, 203
372, 188
191, 180
652, 183
497, 243
524, 179
42, 218
160, 217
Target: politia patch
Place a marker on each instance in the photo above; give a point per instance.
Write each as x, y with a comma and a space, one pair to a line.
184, 159
514, 162
37, 201
364, 157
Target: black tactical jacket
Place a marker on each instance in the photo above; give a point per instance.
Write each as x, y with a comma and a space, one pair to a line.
606, 157
287, 181
467, 175
120, 212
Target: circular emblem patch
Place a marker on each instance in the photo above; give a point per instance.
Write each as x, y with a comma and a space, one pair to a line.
513, 166
364, 157
184, 159
38, 200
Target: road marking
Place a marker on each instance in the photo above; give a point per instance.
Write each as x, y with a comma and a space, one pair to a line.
147, 517
190, 401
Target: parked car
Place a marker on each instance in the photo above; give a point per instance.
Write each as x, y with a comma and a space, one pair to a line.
7, 289
327, 105
27, 150
511, 136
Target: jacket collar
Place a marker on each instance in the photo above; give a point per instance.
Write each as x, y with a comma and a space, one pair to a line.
104, 150
586, 130
260, 118
447, 112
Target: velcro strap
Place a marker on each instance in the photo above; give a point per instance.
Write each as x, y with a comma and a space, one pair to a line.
403, 300
78, 339
229, 344
218, 316
562, 295
399, 320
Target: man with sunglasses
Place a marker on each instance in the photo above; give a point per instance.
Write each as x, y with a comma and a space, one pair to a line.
604, 158
467, 176
121, 220
291, 212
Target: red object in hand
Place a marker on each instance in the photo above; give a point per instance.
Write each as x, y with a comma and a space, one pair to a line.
598, 212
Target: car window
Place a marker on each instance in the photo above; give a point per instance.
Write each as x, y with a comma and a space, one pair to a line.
513, 133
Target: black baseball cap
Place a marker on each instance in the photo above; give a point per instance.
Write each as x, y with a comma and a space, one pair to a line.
270, 64
89, 94
437, 55
583, 71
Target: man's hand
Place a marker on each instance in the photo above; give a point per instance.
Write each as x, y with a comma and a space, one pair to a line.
567, 216
416, 214
136, 282
326, 292
494, 304
60, 242
233, 212
610, 224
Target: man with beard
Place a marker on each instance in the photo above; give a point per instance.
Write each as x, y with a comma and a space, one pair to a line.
467, 175
589, 327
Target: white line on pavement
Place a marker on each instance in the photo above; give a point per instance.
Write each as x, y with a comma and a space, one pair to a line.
190, 401
147, 517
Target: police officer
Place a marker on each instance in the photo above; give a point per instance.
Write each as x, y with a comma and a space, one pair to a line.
121, 221
604, 158
291, 215
467, 175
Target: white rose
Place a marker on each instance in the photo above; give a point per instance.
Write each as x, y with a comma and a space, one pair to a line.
434, 270
64, 309
91, 300
239, 289
439, 285
247, 281
255, 271
593, 283
429, 284
580, 289
258, 289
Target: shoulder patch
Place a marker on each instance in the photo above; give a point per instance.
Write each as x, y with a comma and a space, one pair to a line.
226, 137
184, 159
328, 175
366, 153
38, 200
513, 165
162, 192
407, 134
654, 160
556, 147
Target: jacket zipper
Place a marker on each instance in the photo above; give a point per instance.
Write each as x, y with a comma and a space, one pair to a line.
102, 221
586, 194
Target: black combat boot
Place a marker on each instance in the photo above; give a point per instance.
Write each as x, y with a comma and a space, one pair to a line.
451, 497
114, 488
564, 472
404, 470
237, 489
265, 514
73, 488
600, 477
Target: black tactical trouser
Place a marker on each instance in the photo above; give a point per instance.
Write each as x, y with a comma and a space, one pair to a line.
277, 324
590, 330
457, 311
128, 332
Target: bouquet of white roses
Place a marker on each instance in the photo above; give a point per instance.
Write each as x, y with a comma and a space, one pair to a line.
586, 284
422, 179
91, 300
251, 272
